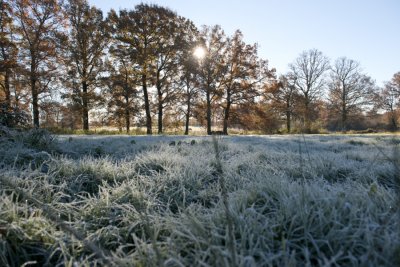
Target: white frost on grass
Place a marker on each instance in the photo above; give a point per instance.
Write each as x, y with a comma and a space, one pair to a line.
295, 201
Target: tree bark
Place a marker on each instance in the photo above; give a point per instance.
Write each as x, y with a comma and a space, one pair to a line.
35, 98
35, 107
7, 76
7, 95
160, 104
127, 115
146, 104
187, 116
344, 118
85, 106
160, 115
307, 119
226, 114
393, 126
288, 118
344, 111
7, 91
208, 111
288, 114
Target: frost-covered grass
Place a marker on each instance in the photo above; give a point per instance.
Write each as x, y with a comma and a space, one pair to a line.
146, 201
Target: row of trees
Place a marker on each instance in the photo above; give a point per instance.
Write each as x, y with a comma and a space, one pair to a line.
62, 61
349, 92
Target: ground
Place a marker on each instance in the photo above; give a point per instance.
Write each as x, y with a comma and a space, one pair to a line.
321, 200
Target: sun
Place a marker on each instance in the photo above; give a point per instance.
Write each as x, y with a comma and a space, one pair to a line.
199, 52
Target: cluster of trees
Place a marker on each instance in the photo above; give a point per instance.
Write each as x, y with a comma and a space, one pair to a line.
66, 64
337, 96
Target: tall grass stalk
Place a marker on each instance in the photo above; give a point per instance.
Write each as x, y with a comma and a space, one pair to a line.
225, 200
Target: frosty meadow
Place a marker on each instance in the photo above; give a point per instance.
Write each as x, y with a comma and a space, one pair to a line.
187, 199
322, 200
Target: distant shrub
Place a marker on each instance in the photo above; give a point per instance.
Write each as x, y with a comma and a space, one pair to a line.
40, 139
12, 116
26, 147
58, 130
356, 143
366, 131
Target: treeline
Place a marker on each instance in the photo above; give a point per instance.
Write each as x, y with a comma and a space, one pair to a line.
68, 66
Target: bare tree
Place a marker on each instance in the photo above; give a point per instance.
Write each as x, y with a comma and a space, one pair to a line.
395, 82
349, 89
308, 70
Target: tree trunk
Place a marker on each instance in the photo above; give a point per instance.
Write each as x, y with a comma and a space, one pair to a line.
288, 115
344, 111
85, 106
187, 116
35, 107
344, 119
160, 116
127, 115
208, 111
226, 115
120, 125
7, 93
7, 88
393, 126
146, 104
307, 120
35, 98
160, 104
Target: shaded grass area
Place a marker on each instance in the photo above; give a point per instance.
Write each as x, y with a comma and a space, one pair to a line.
292, 200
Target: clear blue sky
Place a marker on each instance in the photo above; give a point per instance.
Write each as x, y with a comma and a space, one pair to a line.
364, 30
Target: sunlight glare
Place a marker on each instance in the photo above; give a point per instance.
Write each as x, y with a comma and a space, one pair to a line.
199, 52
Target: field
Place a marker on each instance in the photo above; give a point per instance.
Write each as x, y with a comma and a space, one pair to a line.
321, 200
